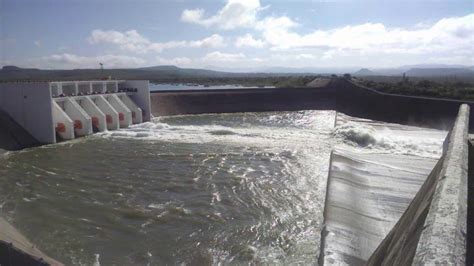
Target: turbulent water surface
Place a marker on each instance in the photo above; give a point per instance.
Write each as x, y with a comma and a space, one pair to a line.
200, 189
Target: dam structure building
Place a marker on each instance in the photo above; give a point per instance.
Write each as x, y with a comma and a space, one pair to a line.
64, 110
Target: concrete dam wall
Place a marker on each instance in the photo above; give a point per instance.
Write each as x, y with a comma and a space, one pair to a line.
339, 94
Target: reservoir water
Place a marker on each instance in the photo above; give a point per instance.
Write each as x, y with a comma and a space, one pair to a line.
187, 87
200, 189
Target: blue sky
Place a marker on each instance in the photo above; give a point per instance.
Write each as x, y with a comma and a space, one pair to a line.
235, 33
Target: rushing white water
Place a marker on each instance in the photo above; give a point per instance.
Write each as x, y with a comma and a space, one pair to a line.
376, 137
197, 189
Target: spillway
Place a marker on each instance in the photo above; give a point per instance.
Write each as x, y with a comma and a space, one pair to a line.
241, 188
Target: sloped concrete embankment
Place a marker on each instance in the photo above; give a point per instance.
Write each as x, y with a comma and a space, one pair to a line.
381, 213
432, 231
366, 195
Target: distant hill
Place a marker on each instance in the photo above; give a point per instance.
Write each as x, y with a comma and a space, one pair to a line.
310, 70
408, 67
166, 73
364, 72
174, 70
429, 72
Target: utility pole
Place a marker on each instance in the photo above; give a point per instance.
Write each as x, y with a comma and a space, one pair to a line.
101, 70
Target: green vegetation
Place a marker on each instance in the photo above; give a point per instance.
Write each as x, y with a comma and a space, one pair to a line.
452, 89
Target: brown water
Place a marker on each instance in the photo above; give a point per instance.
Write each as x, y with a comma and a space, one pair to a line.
204, 189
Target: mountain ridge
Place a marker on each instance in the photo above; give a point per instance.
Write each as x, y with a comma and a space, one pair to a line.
174, 73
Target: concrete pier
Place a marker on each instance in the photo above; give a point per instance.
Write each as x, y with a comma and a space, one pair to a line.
55, 111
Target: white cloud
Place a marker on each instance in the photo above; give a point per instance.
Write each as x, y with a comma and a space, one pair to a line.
37, 43
213, 59
134, 42
158, 47
130, 40
178, 61
445, 35
360, 43
66, 60
214, 41
328, 55
236, 13
306, 56
249, 41
5, 63
276, 23
193, 15
223, 57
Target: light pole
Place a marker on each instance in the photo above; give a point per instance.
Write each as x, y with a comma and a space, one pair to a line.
101, 70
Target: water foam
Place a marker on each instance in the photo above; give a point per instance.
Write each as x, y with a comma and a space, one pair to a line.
385, 139
263, 132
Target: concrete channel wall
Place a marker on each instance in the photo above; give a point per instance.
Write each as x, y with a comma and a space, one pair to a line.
432, 231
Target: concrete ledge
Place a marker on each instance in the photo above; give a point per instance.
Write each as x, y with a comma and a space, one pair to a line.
470, 207
443, 240
432, 231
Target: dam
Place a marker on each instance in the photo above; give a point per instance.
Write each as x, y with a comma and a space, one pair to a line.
259, 184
